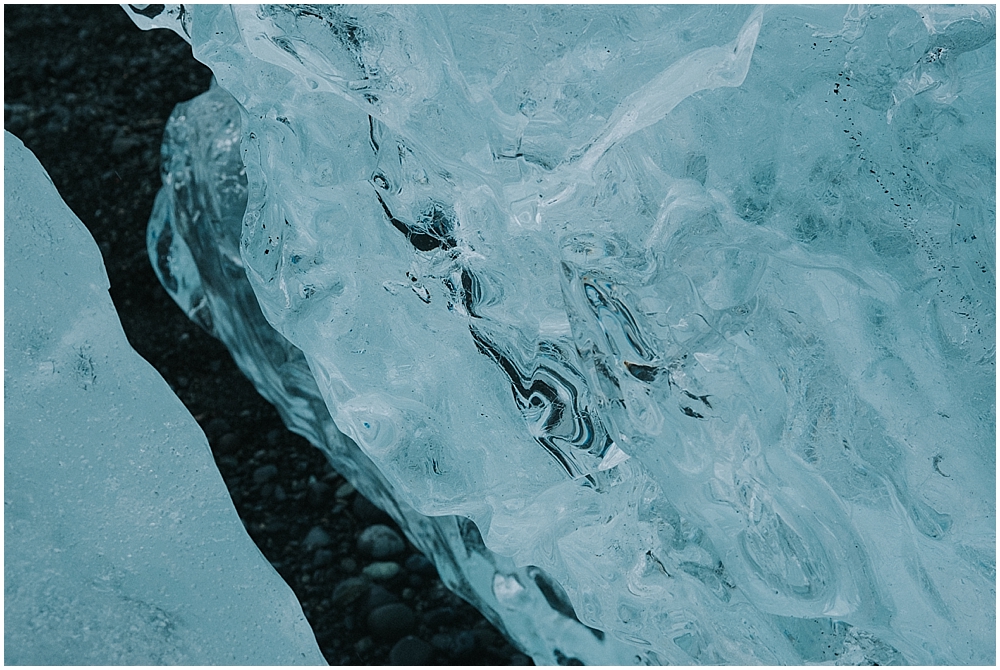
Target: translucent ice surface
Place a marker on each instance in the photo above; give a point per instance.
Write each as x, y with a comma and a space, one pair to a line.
121, 545
690, 310
193, 240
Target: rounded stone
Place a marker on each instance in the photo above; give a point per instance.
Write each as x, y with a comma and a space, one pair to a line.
318, 492
381, 571
462, 643
392, 621
410, 651
216, 428
378, 596
322, 558
420, 565
367, 512
231, 442
265, 473
438, 617
316, 538
380, 542
349, 590
486, 636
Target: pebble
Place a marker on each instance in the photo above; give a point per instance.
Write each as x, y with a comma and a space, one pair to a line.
378, 596
216, 428
517, 658
381, 571
367, 512
380, 542
121, 144
486, 636
345, 490
363, 645
316, 538
420, 565
349, 590
410, 651
229, 442
392, 621
323, 558
318, 492
348, 564
462, 643
265, 473
440, 616
65, 65
229, 462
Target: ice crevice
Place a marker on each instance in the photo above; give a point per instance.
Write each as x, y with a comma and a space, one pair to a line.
639, 320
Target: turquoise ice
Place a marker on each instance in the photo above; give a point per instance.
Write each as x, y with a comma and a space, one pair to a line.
121, 545
682, 317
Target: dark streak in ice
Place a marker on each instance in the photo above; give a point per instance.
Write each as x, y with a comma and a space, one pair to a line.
644, 373
150, 12
690, 412
472, 292
546, 392
435, 235
371, 133
703, 398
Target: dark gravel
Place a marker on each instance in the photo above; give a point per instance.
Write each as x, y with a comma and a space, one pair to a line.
90, 94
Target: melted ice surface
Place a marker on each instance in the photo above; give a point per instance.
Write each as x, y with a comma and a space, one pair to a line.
690, 307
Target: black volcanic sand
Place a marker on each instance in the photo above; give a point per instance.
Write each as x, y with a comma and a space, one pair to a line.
89, 94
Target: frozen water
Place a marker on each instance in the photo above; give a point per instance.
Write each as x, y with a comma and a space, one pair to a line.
193, 240
689, 309
121, 545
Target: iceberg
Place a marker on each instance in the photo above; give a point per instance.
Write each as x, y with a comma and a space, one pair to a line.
668, 333
121, 545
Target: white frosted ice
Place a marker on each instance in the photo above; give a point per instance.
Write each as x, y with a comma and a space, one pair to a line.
657, 297
121, 545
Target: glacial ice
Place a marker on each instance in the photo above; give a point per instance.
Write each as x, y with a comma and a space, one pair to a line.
676, 323
121, 545
193, 240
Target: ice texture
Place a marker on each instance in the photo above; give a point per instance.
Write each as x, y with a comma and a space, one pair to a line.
193, 240
121, 545
690, 310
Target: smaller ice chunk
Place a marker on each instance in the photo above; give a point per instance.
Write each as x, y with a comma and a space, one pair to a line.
121, 544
